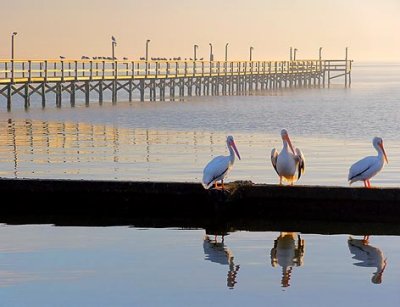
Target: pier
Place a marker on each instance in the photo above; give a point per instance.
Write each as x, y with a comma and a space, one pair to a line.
158, 80
108, 199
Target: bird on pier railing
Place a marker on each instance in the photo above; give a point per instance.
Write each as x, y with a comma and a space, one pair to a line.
368, 167
287, 163
218, 168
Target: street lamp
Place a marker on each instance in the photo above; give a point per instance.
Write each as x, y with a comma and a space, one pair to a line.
291, 53
320, 53
194, 49
12, 45
251, 53
211, 53
147, 50
113, 44
294, 54
226, 52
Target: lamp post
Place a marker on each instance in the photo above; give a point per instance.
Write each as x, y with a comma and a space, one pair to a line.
320, 53
194, 50
294, 54
251, 53
291, 53
113, 44
226, 52
147, 49
12, 44
211, 53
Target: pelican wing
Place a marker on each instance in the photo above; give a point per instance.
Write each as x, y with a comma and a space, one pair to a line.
214, 170
360, 167
274, 159
302, 162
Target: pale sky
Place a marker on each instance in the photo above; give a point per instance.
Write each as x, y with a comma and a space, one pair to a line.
50, 28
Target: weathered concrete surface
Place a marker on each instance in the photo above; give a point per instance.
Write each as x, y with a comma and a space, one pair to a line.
245, 201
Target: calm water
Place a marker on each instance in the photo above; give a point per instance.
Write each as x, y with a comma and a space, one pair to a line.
122, 266
172, 141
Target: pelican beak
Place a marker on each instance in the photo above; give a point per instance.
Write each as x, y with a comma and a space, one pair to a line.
290, 143
384, 153
235, 149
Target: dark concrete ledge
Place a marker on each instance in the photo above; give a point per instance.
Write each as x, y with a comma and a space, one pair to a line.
245, 201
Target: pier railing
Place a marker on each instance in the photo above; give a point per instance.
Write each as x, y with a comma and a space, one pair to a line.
38, 71
158, 80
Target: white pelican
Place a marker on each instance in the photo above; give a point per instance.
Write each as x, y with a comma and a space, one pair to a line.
218, 168
368, 167
286, 163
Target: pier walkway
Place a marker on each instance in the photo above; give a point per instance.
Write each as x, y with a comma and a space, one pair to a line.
159, 80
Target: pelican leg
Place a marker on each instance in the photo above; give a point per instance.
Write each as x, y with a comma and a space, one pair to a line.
369, 183
280, 180
365, 184
366, 239
221, 187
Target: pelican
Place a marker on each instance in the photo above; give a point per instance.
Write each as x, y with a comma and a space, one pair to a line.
218, 168
368, 167
286, 163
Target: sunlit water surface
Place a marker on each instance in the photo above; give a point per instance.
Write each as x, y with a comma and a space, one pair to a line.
173, 141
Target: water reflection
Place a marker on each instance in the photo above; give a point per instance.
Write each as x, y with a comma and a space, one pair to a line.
288, 251
218, 252
369, 256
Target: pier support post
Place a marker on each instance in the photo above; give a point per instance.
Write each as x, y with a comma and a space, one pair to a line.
142, 85
87, 93
72, 94
9, 95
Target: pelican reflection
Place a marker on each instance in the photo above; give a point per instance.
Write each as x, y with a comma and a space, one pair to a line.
217, 252
369, 256
288, 251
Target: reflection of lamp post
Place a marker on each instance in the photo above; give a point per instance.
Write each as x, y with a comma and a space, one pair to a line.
226, 51
251, 53
194, 49
114, 43
211, 53
147, 50
294, 54
320, 53
12, 45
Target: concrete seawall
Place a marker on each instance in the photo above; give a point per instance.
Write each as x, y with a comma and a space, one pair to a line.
101, 200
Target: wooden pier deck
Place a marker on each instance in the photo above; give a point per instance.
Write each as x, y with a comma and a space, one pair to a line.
159, 80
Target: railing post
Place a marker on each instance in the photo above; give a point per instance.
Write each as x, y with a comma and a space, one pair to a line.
76, 70
45, 71
62, 71
30, 71
12, 71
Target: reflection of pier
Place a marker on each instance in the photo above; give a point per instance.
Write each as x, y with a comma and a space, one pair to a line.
171, 79
30, 146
